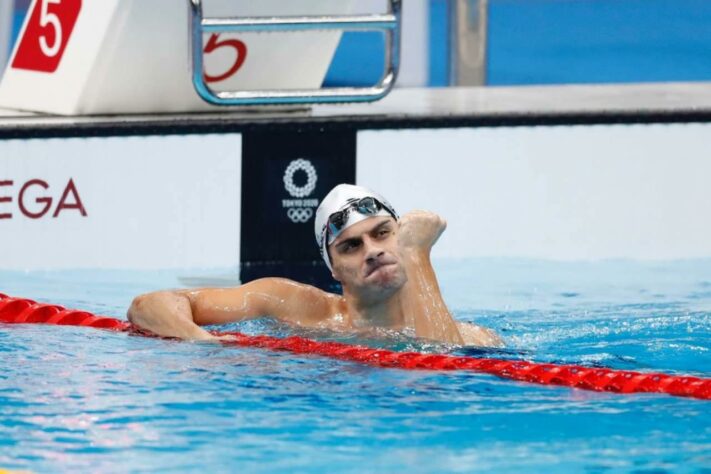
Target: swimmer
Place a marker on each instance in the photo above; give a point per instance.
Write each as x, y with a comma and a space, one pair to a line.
382, 262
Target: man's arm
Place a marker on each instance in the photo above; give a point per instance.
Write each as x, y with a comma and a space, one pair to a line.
422, 300
479, 335
180, 313
424, 306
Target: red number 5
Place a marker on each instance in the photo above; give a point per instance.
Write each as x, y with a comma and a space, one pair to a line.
46, 36
240, 50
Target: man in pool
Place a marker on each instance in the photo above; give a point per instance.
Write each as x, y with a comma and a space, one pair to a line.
382, 262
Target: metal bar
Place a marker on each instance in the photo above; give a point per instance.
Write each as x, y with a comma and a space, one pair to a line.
351, 23
6, 17
469, 22
389, 24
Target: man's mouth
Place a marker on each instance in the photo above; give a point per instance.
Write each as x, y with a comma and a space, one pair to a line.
377, 267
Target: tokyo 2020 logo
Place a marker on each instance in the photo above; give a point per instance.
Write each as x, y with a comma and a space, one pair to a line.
311, 177
300, 210
300, 214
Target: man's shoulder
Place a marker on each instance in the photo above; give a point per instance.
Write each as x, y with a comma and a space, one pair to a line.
302, 294
296, 286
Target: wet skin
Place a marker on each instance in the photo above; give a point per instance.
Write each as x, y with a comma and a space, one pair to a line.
387, 278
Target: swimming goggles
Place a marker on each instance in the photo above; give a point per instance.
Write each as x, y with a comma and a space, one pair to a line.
367, 206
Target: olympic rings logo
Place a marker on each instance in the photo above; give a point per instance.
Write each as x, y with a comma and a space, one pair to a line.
300, 215
300, 191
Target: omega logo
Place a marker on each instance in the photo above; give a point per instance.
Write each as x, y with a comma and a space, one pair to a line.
34, 199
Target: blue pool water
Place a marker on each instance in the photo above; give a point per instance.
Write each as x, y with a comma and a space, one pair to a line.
84, 400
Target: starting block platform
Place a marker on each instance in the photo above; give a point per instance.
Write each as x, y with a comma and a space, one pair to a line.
93, 57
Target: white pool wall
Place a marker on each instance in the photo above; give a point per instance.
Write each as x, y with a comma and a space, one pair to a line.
564, 193
151, 202
557, 193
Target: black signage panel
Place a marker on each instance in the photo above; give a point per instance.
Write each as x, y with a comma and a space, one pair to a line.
285, 175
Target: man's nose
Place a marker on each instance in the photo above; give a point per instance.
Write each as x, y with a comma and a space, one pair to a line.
373, 250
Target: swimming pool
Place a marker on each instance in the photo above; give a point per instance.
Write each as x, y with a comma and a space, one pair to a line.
87, 400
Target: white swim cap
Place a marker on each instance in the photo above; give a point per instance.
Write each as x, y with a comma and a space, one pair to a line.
345, 197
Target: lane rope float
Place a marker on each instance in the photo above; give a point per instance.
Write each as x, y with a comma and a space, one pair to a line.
25, 311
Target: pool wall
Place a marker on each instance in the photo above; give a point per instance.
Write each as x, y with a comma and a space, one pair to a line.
563, 193
133, 202
549, 192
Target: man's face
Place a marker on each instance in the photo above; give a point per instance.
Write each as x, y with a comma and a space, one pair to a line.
366, 260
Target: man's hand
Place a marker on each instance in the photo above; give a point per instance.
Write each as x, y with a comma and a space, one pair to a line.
166, 314
420, 230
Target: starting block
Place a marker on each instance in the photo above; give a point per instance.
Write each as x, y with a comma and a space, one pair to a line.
87, 57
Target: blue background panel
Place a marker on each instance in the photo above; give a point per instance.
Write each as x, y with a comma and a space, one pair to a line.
587, 41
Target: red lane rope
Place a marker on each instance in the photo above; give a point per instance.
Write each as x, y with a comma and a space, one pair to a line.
24, 311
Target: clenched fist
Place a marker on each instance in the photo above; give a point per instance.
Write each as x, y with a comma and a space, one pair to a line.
420, 230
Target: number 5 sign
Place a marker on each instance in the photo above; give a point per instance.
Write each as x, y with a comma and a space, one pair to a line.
46, 35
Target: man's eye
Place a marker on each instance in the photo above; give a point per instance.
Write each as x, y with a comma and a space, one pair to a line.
349, 247
383, 232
